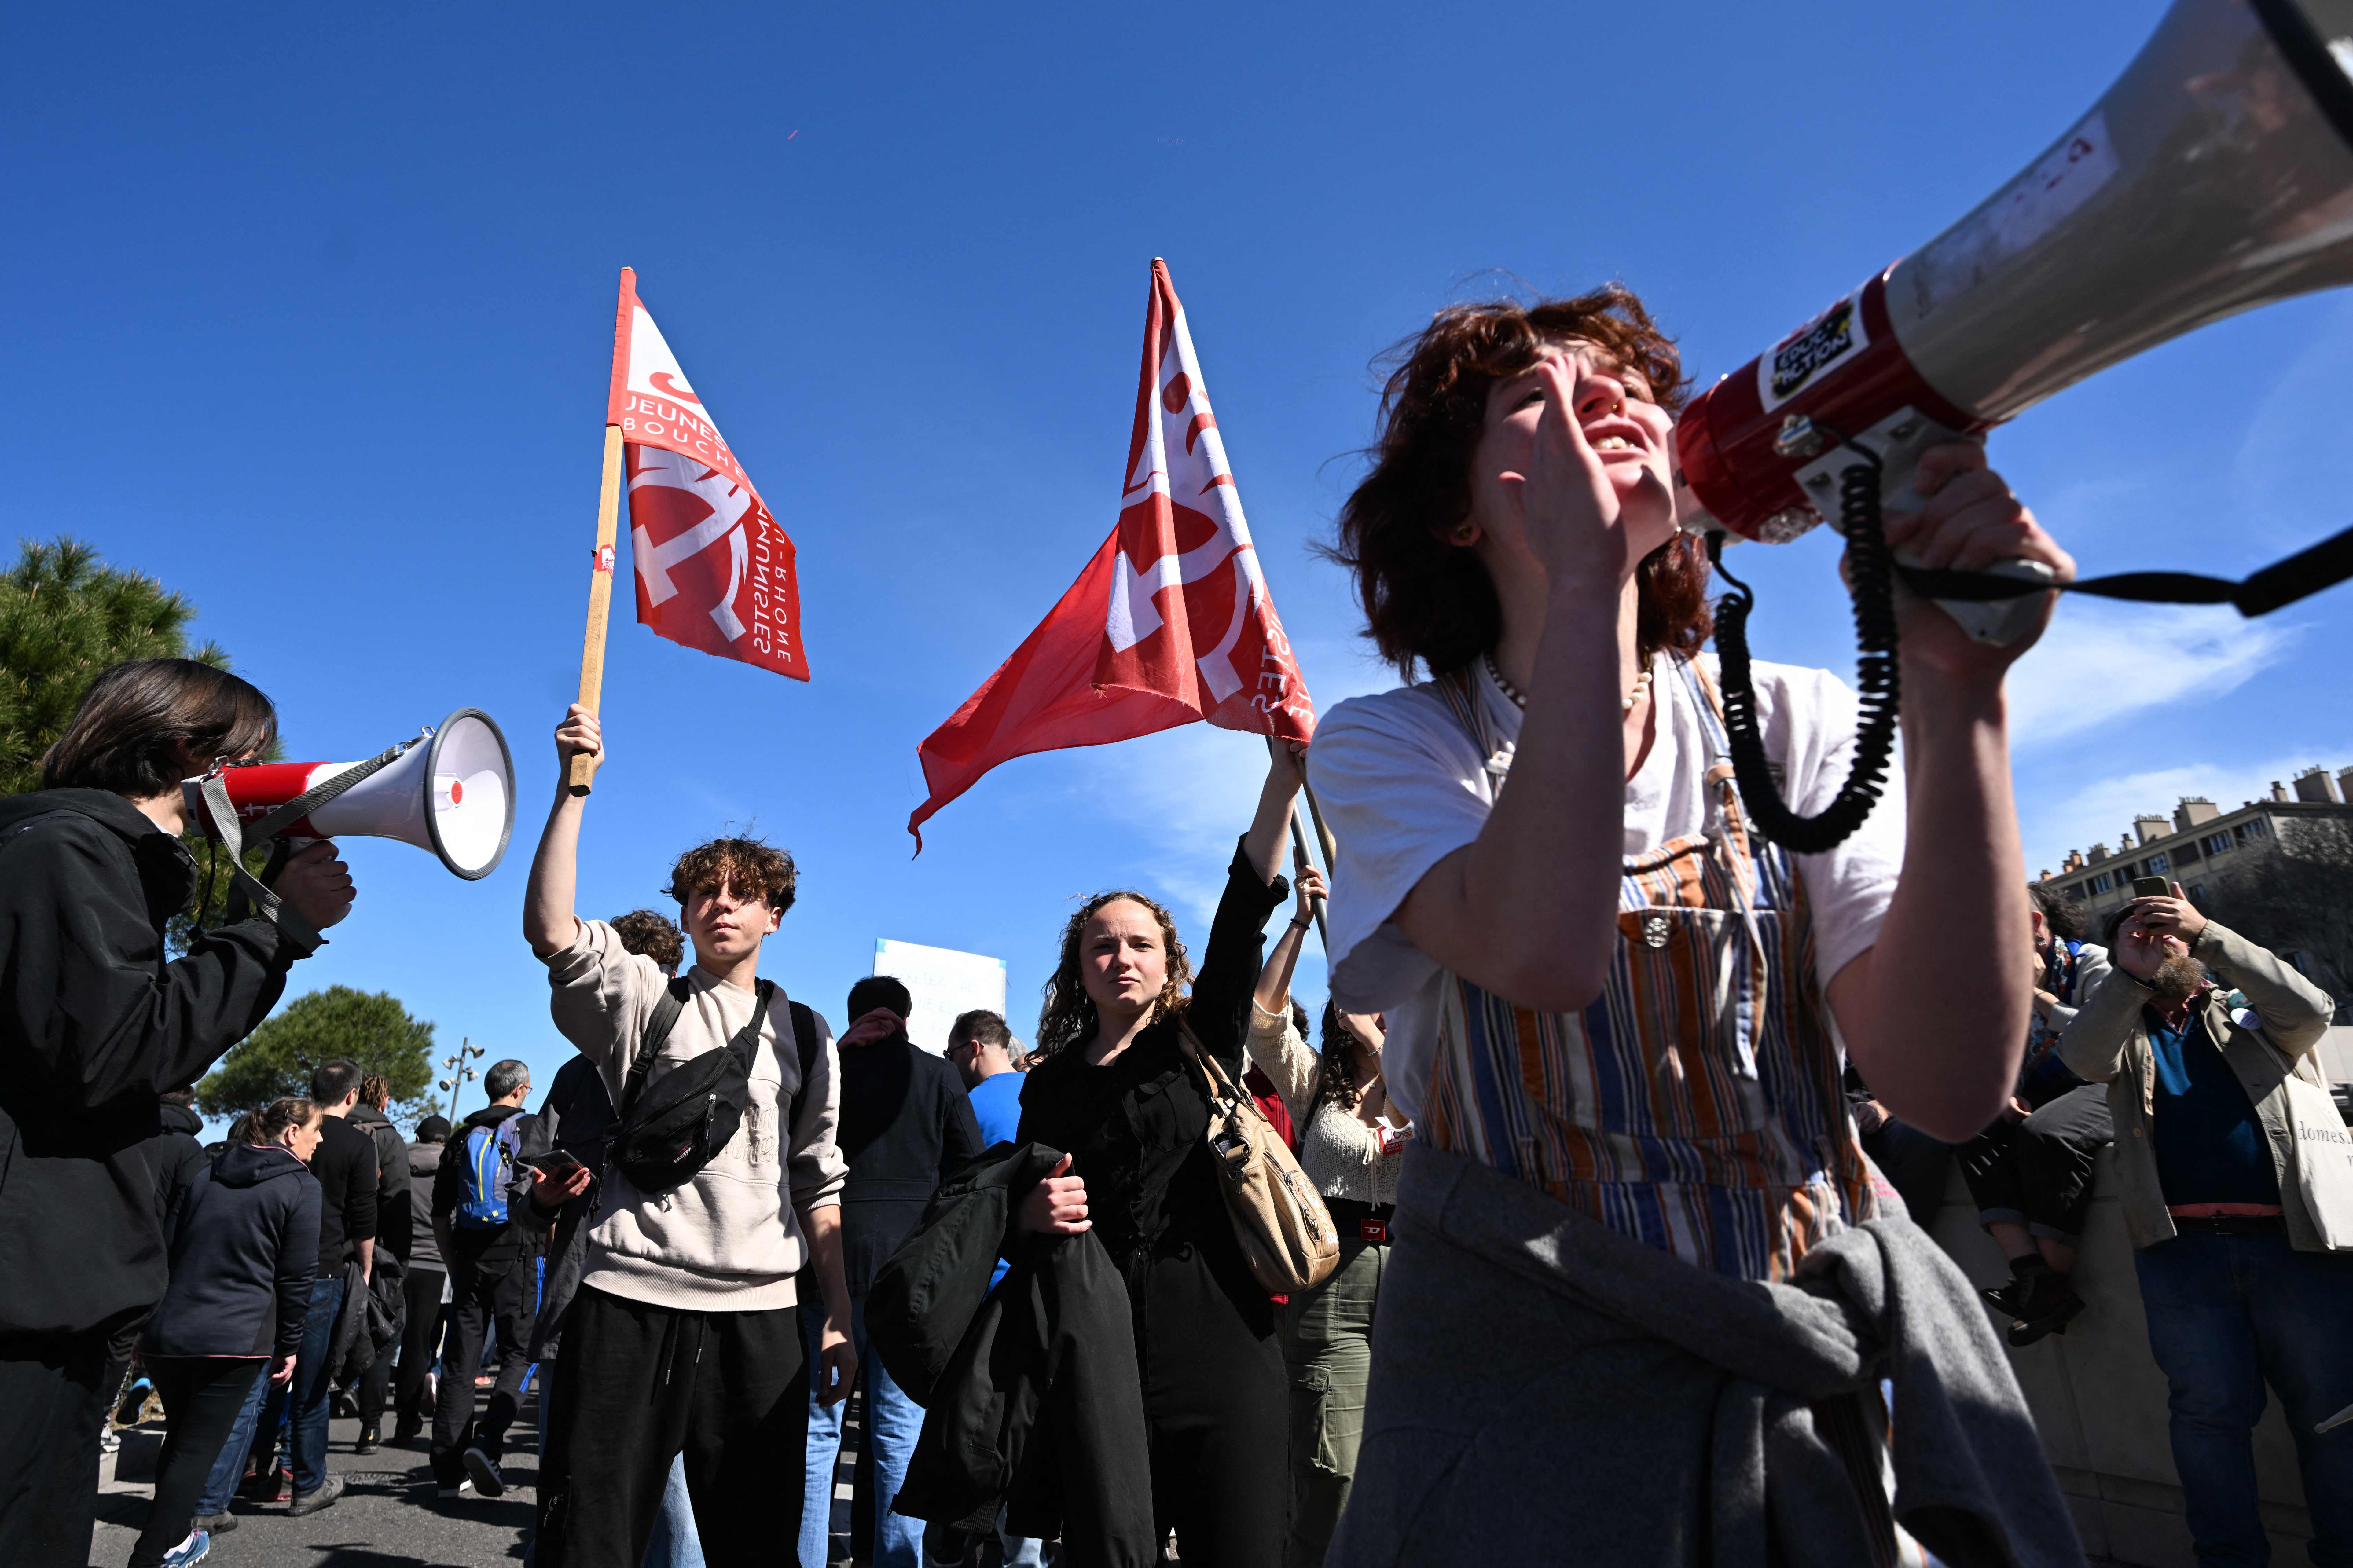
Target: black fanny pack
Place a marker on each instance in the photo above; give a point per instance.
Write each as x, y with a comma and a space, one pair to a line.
667, 1134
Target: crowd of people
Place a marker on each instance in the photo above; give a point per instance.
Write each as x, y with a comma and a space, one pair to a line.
1621, 1114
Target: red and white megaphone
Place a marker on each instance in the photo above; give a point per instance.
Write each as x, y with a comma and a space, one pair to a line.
2215, 175
450, 792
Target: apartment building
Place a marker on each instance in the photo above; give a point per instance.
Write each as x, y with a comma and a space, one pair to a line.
2200, 844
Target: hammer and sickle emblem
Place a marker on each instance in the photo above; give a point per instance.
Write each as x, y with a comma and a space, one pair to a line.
729, 503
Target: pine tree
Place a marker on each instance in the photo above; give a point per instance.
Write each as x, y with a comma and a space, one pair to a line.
370, 1027
65, 616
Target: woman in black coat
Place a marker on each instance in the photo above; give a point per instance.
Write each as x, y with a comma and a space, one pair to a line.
1114, 1093
243, 1254
94, 1024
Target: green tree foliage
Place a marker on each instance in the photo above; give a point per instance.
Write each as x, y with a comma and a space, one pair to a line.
65, 616
372, 1029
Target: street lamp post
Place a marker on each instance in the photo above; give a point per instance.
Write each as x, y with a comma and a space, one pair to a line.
460, 1072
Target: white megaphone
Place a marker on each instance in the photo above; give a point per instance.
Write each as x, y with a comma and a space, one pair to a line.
2215, 175
450, 792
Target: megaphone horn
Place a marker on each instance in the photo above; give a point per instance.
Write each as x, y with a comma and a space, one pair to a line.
450, 792
2215, 175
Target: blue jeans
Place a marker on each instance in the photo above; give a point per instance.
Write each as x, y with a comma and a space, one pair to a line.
229, 1469
307, 1396
892, 1422
2228, 1314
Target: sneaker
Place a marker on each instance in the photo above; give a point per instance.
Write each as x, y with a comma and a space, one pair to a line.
485, 1473
219, 1523
188, 1552
448, 1494
369, 1440
270, 1486
321, 1496
406, 1430
2046, 1313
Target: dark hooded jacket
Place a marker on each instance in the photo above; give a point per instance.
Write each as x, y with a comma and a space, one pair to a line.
94, 1024
244, 1249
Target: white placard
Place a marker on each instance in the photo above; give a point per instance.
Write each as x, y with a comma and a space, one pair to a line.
944, 983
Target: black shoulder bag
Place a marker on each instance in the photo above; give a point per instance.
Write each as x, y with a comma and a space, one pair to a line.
666, 1134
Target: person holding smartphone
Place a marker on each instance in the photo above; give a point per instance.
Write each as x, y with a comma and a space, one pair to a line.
2239, 1286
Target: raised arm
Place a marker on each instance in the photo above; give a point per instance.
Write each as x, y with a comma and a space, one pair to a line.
1230, 963
1274, 979
1944, 1057
549, 924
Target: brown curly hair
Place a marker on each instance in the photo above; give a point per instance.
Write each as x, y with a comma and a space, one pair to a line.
650, 935
1428, 601
752, 868
1335, 1073
1067, 1016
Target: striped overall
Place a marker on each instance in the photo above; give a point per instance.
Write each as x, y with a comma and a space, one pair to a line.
1695, 1105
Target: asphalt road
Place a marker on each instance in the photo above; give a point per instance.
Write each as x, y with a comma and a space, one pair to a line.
387, 1518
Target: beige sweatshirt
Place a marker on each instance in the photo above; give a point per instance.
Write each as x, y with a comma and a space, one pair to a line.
729, 1240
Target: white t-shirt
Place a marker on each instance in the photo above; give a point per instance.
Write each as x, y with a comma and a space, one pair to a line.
1402, 786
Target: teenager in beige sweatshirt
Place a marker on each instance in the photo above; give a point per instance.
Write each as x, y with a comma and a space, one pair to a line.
684, 1336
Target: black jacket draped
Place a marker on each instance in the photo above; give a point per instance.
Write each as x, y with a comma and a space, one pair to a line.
94, 1024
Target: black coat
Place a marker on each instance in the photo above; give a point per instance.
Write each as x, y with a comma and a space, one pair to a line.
93, 1025
244, 1249
905, 1126
577, 1118
1134, 1127
1032, 1395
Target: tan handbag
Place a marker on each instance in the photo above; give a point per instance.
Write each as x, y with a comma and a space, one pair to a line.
1286, 1233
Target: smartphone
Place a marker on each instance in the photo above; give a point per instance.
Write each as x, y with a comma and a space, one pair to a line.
556, 1163
2152, 888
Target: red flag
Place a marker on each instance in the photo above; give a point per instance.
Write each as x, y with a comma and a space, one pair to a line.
714, 570
1170, 621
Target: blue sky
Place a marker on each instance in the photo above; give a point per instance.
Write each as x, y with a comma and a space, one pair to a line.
310, 316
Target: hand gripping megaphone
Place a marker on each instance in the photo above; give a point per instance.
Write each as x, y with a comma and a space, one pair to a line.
2215, 175
450, 792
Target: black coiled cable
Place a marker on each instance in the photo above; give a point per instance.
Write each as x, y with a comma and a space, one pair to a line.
1871, 574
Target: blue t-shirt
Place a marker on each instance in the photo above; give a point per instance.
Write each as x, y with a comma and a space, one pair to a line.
997, 1104
996, 1101
2210, 1145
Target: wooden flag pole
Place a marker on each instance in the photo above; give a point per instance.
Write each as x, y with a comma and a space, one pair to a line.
600, 599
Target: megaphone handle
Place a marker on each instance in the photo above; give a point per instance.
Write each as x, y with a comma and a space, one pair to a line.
1998, 621
1900, 439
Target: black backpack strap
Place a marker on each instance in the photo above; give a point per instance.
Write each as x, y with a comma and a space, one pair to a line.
746, 1043
657, 1035
804, 1040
